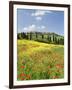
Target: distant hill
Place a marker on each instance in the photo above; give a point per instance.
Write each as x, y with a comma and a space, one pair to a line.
46, 37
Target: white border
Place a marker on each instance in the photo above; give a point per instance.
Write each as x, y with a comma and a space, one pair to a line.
29, 82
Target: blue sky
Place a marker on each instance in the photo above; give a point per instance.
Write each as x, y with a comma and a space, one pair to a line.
40, 20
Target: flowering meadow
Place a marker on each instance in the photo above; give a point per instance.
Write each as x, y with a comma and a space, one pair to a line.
37, 60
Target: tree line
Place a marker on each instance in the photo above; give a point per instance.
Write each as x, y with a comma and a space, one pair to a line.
41, 37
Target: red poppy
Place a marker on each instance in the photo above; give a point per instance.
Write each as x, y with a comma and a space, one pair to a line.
62, 66
22, 66
28, 76
58, 66
22, 74
49, 67
22, 78
54, 77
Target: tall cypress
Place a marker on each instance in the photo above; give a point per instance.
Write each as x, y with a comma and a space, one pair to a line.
36, 35
48, 38
30, 35
53, 37
42, 36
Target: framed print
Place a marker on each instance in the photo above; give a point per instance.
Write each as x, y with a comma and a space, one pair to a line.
39, 44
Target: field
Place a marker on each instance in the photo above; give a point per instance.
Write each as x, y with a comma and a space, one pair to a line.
37, 60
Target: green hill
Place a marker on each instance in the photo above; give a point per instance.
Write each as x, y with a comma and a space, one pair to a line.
45, 37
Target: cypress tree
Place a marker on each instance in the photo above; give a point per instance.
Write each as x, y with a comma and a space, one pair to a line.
36, 35
50, 39
27, 36
30, 35
55, 40
53, 37
42, 36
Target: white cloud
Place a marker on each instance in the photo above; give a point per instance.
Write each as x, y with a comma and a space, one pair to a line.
43, 27
40, 13
30, 28
38, 18
25, 28
33, 28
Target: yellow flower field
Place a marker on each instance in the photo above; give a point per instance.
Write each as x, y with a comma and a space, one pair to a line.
38, 60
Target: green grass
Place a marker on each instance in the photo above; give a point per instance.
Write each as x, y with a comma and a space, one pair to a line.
38, 60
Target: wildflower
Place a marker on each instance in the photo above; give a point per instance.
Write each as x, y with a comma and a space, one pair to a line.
62, 66
22, 78
22, 74
28, 76
49, 67
49, 72
58, 66
58, 70
54, 77
22, 66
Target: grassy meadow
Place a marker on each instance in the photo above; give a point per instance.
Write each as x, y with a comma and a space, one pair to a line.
37, 60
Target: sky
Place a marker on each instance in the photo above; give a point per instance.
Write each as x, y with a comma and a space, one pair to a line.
40, 21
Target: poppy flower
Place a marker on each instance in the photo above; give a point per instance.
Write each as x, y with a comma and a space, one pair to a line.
22, 74
49, 67
22, 66
28, 76
62, 66
54, 77
58, 66
22, 78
